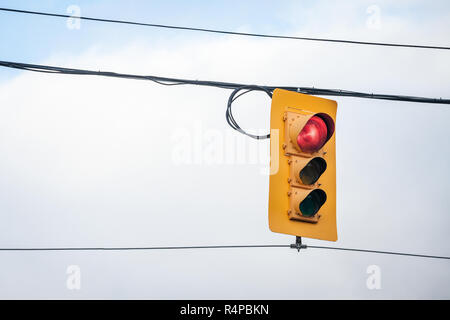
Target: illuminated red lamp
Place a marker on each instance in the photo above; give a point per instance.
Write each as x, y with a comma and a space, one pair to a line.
315, 133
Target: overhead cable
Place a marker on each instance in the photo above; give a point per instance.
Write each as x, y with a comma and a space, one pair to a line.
236, 87
235, 33
219, 84
219, 247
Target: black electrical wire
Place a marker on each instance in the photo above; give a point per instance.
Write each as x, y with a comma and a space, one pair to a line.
147, 248
218, 84
236, 87
381, 252
222, 247
229, 115
226, 32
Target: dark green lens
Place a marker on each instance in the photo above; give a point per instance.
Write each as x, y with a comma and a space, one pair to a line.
312, 203
312, 171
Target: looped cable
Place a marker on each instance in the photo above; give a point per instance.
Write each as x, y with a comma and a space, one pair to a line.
229, 114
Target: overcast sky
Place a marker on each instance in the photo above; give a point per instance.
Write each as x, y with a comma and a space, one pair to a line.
90, 161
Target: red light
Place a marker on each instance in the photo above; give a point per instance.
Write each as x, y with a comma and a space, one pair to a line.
313, 135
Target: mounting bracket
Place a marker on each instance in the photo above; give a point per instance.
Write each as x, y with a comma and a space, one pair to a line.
298, 244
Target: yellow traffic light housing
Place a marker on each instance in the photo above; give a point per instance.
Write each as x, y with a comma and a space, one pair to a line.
302, 190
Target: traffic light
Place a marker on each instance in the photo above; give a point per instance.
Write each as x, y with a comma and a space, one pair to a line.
302, 189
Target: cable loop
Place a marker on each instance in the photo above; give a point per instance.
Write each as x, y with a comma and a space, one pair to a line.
229, 114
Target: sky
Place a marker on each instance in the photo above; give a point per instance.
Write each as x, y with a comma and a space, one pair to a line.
92, 162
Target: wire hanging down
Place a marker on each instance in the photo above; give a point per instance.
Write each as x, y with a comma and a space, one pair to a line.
225, 32
229, 115
222, 247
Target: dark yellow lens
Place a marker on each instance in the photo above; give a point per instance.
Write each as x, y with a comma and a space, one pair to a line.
312, 171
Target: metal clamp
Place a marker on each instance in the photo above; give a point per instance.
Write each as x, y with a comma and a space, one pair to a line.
298, 244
